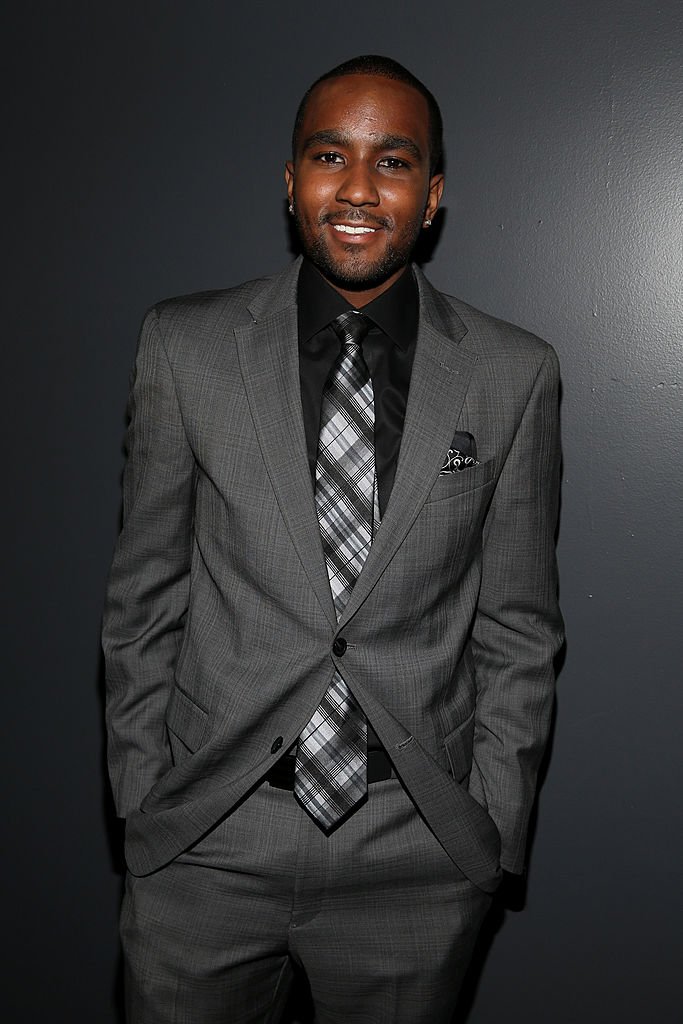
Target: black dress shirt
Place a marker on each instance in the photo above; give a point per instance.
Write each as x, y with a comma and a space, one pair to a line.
388, 348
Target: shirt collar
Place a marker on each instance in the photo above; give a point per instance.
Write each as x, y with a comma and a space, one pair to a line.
395, 311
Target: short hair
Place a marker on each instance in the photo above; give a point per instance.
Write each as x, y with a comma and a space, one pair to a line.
382, 67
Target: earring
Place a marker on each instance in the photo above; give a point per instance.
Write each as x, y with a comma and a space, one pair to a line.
291, 207
428, 223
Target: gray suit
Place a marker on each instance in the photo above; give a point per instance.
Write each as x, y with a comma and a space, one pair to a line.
219, 621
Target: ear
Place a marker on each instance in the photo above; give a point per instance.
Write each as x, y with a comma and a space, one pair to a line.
289, 180
436, 184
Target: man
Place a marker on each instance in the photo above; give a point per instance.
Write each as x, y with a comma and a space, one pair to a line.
332, 613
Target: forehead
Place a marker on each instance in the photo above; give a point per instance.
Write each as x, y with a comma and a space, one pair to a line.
366, 105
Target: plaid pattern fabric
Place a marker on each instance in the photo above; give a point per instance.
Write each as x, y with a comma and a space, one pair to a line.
331, 764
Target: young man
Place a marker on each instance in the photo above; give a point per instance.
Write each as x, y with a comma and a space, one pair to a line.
332, 613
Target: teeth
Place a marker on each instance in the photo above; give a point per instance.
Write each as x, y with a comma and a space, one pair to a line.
348, 230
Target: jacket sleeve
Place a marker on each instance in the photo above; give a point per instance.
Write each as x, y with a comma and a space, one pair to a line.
147, 596
518, 627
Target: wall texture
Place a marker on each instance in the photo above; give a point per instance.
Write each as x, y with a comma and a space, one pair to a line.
146, 144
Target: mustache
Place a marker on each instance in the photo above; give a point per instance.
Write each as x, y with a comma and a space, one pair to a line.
359, 218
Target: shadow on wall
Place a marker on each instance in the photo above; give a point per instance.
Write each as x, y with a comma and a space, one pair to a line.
114, 829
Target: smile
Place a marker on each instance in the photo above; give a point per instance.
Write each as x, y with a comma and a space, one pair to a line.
346, 229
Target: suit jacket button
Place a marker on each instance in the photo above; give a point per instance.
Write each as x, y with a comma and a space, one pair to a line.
276, 745
339, 646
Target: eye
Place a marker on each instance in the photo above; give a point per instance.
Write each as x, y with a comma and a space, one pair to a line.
329, 158
393, 163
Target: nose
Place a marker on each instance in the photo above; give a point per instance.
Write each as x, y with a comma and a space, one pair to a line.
357, 186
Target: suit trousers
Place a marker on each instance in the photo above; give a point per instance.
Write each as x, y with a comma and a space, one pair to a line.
376, 913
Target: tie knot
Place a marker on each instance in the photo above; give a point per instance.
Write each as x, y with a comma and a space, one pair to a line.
351, 327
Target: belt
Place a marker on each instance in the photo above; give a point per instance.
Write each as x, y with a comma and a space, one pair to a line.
281, 775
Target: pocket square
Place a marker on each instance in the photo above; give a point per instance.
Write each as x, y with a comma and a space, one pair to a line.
461, 455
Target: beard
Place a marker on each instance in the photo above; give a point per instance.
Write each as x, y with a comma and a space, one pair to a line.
354, 271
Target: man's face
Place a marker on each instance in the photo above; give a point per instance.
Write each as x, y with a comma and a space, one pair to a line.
360, 181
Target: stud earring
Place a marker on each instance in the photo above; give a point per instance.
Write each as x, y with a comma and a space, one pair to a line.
428, 223
291, 207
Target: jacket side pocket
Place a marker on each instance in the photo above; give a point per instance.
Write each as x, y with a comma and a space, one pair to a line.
458, 745
186, 724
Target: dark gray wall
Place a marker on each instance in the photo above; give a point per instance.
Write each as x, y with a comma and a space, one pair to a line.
145, 154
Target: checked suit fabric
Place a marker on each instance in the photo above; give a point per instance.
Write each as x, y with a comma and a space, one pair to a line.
330, 775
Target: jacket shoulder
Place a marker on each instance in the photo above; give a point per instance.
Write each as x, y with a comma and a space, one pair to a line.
207, 307
188, 325
491, 334
483, 334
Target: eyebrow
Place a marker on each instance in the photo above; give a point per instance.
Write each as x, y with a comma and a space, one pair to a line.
331, 137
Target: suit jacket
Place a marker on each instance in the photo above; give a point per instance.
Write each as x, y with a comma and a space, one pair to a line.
219, 621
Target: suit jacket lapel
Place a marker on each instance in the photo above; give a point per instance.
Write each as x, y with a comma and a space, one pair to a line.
439, 382
269, 360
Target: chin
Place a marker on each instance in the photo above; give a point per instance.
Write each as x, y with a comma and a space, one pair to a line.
356, 274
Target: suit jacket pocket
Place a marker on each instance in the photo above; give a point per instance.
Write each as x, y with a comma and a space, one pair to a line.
448, 485
458, 746
186, 723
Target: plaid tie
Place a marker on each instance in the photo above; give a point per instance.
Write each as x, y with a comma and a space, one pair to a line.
331, 763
